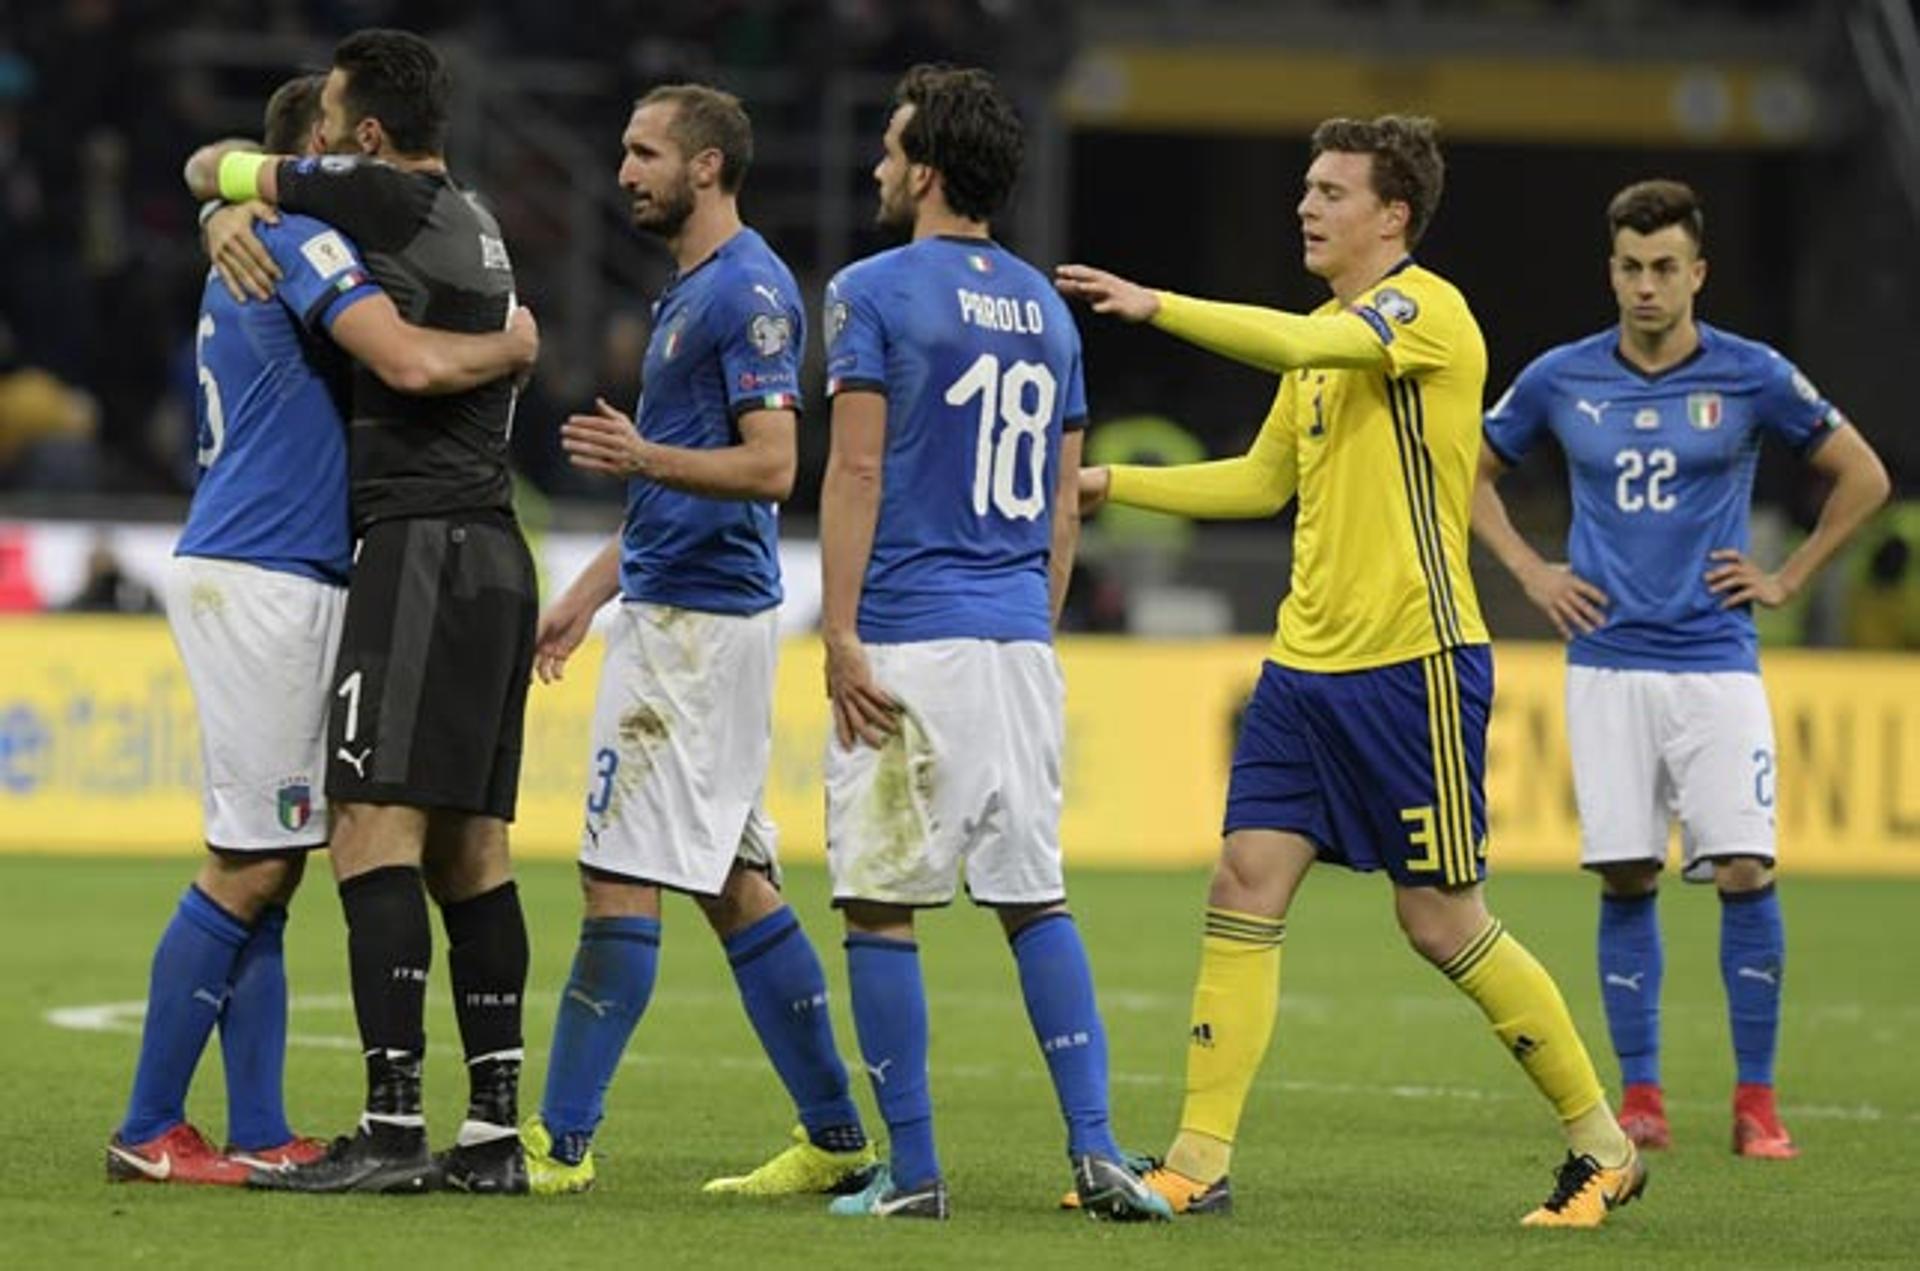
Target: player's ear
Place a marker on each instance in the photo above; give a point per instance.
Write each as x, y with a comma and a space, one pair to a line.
1699, 273
920, 180
369, 134
706, 167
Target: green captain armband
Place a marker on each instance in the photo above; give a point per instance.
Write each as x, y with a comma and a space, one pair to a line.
240, 175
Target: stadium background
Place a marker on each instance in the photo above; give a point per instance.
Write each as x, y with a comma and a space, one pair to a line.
1166, 140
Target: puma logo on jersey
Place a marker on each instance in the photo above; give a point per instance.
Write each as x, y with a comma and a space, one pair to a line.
772, 296
879, 1071
1631, 983
359, 761
1764, 974
1589, 409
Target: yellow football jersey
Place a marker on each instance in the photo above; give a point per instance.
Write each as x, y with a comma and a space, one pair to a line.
1385, 464
1379, 442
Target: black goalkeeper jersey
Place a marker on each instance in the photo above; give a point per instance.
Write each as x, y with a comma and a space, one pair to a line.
439, 254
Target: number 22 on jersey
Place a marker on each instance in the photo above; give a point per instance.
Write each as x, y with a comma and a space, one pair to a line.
1008, 410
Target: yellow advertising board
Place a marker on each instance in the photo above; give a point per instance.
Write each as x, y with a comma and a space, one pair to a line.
100, 751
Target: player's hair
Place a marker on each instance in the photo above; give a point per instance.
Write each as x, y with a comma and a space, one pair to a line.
706, 118
964, 128
291, 113
1646, 206
399, 79
1407, 167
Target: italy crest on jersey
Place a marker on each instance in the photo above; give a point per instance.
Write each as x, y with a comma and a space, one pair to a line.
296, 805
1704, 411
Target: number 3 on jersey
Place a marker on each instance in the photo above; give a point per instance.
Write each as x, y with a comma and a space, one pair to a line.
1007, 407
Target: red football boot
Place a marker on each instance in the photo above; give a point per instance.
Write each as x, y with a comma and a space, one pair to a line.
1757, 1131
295, 1151
1643, 1117
181, 1155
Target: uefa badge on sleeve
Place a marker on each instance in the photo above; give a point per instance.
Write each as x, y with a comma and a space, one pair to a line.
1704, 410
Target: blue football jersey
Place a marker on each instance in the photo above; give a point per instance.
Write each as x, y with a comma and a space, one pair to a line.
272, 489
727, 339
1662, 473
980, 363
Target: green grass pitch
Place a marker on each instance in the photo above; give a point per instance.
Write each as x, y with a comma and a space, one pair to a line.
1387, 1129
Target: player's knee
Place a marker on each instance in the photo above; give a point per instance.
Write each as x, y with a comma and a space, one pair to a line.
1439, 922
747, 896
1017, 918
245, 884
1737, 874
1630, 878
870, 919
604, 895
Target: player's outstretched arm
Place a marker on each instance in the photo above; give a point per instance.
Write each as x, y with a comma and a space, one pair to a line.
760, 466
202, 170
567, 620
849, 511
423, 361
1066, 520
1860, 486
1254, 485
1265, 338
1570, 602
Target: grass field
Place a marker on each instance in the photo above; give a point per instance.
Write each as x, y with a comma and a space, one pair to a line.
1388, 1129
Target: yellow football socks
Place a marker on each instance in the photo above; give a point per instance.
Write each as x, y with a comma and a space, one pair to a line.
1530, 1019
1234, 1004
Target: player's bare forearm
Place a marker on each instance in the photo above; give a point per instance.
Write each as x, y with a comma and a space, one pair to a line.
453, 362
1492, 525
202, 171
425, 362
760, 467
1860, 488
598, 582
1066, 522
849, 512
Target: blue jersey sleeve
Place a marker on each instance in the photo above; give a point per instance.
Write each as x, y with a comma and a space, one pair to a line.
321, 270
1073, 415
760, 334
1521, 415
1791, 408
856, 336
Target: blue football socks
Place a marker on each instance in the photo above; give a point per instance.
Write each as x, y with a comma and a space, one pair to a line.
1631, 963
253, 1037
1753, 946
607, 993
186, 992
784, 990
1058, 985
890, 1014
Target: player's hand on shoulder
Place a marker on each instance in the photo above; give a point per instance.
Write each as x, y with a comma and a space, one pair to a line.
1571, 603
604, 441
1106, 293
1738, 581
239, 257
862, 710
1094, 485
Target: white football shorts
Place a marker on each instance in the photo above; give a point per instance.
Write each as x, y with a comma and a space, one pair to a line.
682, 734
971, 781
1650, 747
258, 645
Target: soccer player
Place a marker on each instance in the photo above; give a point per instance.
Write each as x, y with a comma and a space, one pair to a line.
436, 651
683, 727
1365, 738
948, 524
1661, 419
255, 599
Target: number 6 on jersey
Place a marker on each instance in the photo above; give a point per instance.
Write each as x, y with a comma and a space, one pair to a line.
996, 463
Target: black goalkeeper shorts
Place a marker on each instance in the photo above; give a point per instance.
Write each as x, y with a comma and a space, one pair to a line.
430, 684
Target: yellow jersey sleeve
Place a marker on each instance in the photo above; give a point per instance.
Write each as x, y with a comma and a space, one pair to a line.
1416, 319
1256, 484
1270, 339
